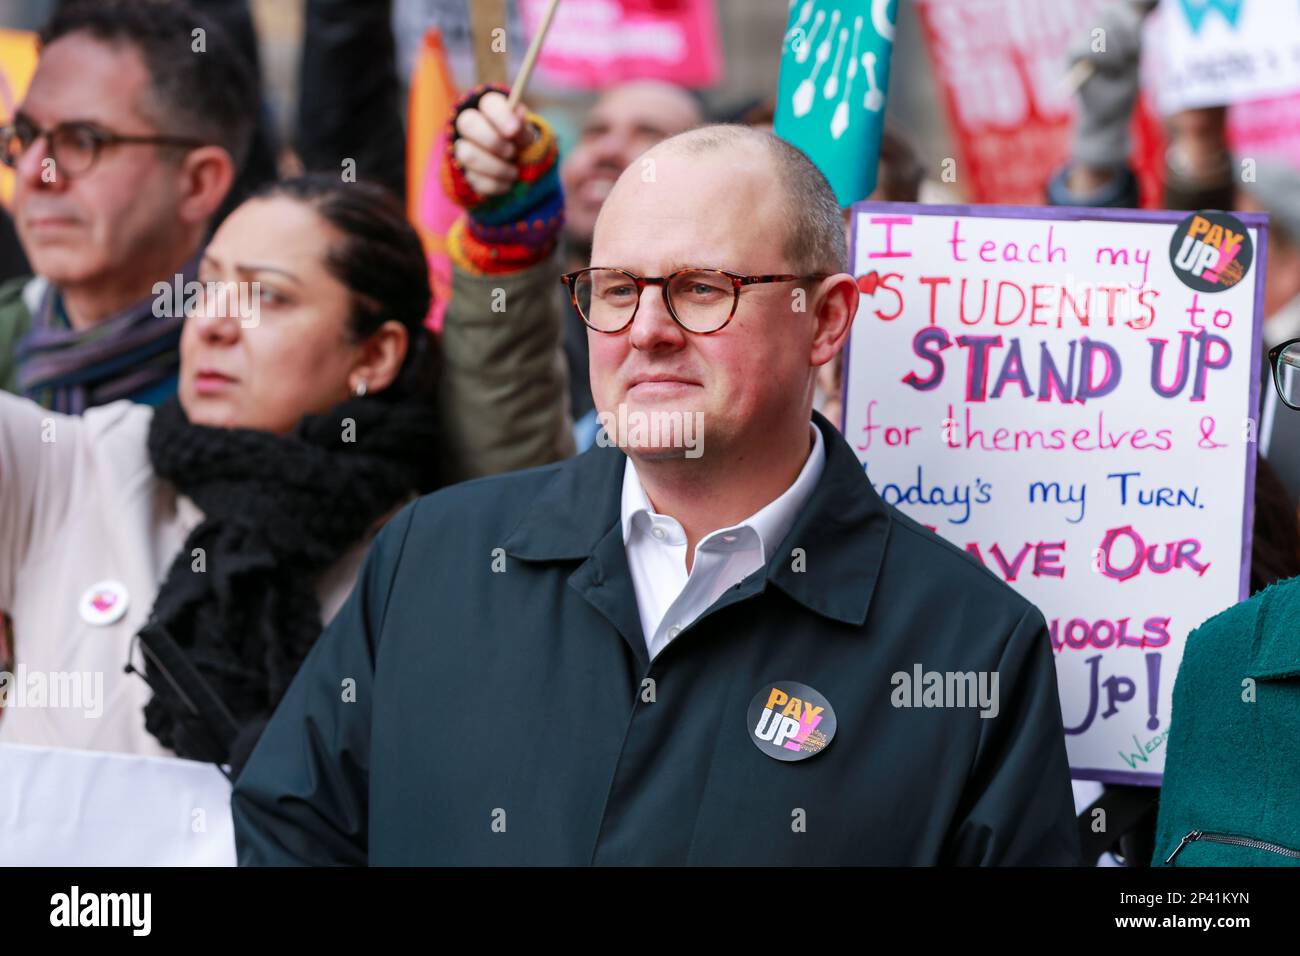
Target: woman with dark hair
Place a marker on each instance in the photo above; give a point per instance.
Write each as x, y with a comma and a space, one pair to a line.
293, 438
224, 527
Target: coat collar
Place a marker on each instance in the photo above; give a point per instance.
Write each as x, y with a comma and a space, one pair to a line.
829, 561
1275, 653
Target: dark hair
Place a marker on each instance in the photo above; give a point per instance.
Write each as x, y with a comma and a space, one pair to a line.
1275, 545
211, 96
901, 172
381, 261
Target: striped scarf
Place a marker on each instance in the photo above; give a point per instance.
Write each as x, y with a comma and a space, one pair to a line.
132, 355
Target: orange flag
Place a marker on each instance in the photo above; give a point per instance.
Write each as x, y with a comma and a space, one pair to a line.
432, 96
17, 64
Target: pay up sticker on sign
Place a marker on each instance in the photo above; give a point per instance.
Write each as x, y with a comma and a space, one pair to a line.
1049, 391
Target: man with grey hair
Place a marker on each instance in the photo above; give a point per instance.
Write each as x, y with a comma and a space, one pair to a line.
124, 148
706, 640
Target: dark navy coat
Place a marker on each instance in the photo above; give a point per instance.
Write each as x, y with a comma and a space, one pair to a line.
484, 697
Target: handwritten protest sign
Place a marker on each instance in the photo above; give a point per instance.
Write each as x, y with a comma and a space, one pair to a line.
1213, 52
1069, 395
597, 43
999, 65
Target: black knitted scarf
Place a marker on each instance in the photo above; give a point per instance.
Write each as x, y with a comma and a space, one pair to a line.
238, 616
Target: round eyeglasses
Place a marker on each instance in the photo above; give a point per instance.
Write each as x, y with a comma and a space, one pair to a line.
702, 301
1284, 360
74, 146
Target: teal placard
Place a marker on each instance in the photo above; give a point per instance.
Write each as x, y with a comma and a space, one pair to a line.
831, 95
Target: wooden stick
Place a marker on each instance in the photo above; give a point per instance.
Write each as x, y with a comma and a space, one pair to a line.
530, 58
484, 17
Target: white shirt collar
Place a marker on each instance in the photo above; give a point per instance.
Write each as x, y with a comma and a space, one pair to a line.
770, 523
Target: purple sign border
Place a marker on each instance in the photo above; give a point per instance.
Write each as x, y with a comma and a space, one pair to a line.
1256, 220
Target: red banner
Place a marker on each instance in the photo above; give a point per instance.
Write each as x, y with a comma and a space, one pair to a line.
1000, 65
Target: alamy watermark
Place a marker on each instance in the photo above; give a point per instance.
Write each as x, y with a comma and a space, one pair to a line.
63, 690
179, 298
133, 911
652, 431
949, 689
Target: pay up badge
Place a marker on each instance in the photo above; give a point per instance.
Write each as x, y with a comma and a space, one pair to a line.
790, 721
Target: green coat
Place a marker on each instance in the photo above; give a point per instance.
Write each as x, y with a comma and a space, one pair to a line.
503, 390
1232, 773
15, 320
504, 385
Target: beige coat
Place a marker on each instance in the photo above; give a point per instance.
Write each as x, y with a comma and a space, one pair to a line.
80, 504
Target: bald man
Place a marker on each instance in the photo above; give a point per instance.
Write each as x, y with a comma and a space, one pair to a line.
704, 644
627, 120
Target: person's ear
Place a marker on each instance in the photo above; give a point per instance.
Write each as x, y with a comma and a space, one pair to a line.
834, 305
206, 175
380, 359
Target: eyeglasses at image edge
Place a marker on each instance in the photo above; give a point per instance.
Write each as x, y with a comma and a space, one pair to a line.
1275, 365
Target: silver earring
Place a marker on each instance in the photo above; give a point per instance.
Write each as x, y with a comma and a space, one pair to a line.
359, 389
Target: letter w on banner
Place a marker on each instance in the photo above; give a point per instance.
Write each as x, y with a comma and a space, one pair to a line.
831, 95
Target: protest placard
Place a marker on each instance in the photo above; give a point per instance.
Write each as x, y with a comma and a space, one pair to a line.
1070, 396
1000, 66
1266, 128
431, 95
821, 105
1215, 52
598, 43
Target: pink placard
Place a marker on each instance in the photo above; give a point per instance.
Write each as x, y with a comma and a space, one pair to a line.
594, 44
1270, 127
